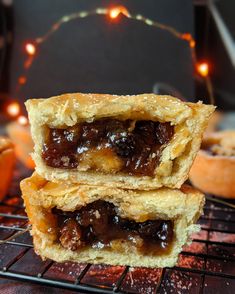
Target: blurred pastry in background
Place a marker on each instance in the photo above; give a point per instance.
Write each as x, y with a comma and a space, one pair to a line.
7, 160
214, 121
213, 170
21, 137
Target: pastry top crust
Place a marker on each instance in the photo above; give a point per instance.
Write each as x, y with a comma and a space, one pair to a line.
221, 143
69, 109
163, 203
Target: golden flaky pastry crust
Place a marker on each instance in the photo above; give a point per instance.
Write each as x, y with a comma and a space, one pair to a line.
183, 207
189, 119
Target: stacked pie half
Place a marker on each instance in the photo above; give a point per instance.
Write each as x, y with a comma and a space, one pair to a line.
108, 186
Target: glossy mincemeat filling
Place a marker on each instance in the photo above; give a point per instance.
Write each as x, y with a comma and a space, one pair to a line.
98, 224
108, 145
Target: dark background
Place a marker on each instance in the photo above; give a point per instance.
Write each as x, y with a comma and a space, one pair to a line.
96, 54
210, 46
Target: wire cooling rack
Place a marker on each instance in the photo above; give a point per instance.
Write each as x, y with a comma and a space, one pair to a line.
206, 266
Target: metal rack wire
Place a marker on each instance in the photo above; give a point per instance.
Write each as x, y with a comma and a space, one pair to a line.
207, 265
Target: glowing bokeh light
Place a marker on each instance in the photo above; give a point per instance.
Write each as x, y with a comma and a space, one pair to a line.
13, 109
114, 12
22, 120
30, 48
22, 80
203, 69
192, 43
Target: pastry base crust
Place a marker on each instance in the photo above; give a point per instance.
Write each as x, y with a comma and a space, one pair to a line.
183, 207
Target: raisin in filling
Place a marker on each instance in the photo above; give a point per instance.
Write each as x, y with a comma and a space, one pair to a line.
98, 223
127, 146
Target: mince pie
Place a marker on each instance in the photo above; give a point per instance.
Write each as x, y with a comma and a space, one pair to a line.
72, 222
136, 142
213, 170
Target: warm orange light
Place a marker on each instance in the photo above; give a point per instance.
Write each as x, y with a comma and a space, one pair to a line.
22, 80
30, 48
188, 37
114, 12
13, 109
22, 120
203, 69
192, 43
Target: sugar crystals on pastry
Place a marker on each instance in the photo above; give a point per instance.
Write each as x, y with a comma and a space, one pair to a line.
136, 142
72, 222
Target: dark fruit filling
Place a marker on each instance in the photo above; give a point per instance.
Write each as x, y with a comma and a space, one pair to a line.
98, 223
137, 145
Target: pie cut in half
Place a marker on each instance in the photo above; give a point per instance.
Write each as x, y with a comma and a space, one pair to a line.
135, 142
80, 223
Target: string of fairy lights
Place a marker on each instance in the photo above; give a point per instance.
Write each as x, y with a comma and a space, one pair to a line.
32, 48
201, 69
